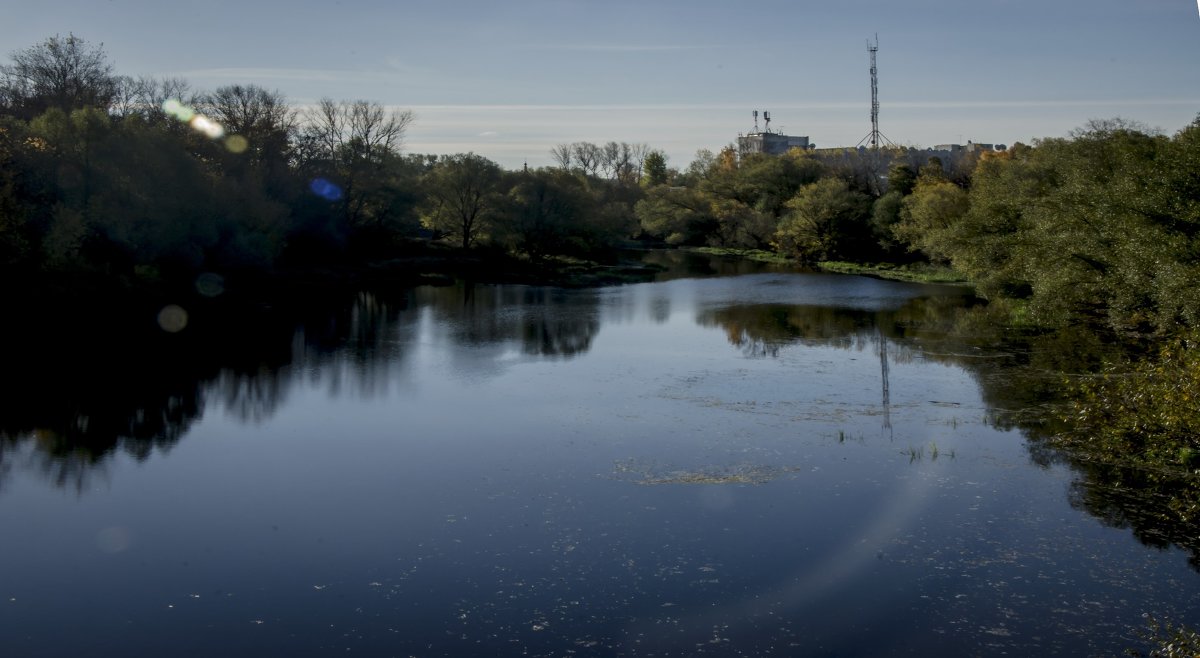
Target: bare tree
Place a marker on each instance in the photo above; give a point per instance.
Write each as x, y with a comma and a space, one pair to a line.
127, 97
250, 111
354, 143
638, 153
63, 72
611, 159
357, 129
145, 96
562, 155
588, 155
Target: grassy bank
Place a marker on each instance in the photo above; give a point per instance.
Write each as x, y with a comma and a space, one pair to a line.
919, 272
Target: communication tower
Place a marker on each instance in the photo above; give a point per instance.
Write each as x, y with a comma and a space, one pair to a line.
875, 137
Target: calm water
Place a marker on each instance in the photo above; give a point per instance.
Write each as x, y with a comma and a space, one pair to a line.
740, 464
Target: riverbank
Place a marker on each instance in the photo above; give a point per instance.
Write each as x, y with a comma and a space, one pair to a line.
911, 272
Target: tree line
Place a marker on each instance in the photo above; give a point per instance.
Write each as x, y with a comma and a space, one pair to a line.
150, 179
103, 173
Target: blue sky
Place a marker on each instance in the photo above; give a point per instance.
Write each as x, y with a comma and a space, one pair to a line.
511, 79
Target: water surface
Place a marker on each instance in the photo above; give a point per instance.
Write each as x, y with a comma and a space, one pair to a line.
763, 463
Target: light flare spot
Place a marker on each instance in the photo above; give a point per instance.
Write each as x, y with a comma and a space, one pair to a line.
172, 318
325, 189
173, 107
236, 144
210, 284
207, 126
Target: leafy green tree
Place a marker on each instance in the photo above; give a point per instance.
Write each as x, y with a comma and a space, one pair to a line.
823, 221
885, 214
656, 169
929, 217
736, 224
464, 197
19, 238
901, 178
1004, 196
678, 216
764, 182
547, 214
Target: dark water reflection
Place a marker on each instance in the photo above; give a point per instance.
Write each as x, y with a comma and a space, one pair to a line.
840, 466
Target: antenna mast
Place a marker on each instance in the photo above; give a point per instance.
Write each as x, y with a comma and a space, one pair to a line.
875, 137
756, 121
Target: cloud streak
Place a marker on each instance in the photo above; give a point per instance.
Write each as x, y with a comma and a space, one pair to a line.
819, 105
618, 47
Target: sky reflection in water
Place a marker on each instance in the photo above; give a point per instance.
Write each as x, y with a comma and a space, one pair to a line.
696, 466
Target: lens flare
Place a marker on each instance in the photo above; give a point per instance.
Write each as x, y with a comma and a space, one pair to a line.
325, 189
173, 319
207, 126
210, 284
175, 108
236, 144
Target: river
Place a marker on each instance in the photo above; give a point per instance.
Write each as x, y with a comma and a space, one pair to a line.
732, 460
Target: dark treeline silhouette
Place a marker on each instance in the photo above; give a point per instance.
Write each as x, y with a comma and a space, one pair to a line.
107, 178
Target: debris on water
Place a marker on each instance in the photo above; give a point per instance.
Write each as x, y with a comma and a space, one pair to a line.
736, 474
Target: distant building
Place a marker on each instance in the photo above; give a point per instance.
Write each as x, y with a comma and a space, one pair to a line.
969, 147
771, 143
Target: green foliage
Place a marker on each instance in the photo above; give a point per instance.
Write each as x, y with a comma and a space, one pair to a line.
655, 167
885, 215
464, 197
929, 217
549, 212
1149, 410
760, 181
1167, 640
1145, 415
678, 216
1097, 228
823, 221
901, 178
920, 272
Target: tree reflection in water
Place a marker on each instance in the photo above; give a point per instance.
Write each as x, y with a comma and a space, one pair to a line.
1021, 379
75, 398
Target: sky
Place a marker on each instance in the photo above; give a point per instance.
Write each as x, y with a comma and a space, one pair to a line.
511, 79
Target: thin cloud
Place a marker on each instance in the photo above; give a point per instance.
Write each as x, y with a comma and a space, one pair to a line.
817, 105
1037, 104
617, 47
292, 75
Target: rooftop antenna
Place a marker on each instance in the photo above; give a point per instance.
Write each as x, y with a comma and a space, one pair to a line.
875, 137
767, 119
756, 121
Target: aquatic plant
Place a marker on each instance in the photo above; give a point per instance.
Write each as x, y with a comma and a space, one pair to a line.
1168, 640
